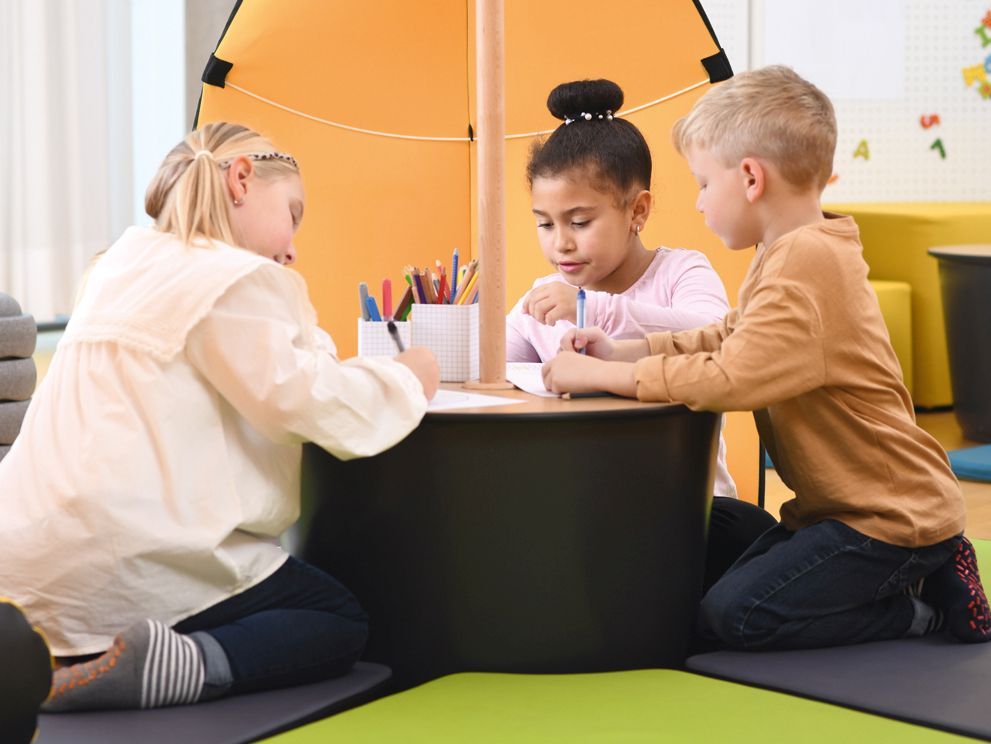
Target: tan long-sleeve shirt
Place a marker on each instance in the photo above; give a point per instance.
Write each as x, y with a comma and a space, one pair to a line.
807, 350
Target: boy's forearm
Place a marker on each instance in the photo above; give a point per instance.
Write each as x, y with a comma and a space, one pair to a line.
631, 350
618, 378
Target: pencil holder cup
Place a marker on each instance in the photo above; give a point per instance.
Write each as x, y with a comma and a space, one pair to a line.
451, 333
374, 338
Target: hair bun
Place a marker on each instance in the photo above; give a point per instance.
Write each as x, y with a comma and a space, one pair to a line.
568, 100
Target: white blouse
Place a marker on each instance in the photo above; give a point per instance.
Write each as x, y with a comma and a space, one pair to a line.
159, 460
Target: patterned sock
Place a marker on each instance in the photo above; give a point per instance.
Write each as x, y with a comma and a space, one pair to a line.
149, 665
955, 588
915, 588
927, 619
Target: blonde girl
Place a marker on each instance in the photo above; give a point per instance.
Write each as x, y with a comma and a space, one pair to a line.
160, 459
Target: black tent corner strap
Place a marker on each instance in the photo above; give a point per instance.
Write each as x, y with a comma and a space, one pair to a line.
717, 66
215, 72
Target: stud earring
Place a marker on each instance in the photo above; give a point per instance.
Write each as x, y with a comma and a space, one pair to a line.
238, 202
638, 229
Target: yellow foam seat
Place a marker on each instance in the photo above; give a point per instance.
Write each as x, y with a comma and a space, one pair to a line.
896, 240
895, 299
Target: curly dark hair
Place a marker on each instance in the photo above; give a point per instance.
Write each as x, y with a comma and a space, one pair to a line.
612, 150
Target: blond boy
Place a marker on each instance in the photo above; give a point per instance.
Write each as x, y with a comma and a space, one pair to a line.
871, 547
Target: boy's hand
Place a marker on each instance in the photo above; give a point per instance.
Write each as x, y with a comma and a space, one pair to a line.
574, 373
594, 340
597, 344
423, 364
552, 302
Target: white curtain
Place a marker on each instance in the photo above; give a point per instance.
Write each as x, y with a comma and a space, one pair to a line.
64, 144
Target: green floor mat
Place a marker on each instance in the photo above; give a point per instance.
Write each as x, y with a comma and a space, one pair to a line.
640, 706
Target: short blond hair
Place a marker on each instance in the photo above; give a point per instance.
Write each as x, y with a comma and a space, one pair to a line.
770, 113
188, 195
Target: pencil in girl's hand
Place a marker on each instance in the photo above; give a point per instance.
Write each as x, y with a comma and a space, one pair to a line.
580, 312
394, 332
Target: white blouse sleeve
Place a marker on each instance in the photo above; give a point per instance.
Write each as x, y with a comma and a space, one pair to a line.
257, 349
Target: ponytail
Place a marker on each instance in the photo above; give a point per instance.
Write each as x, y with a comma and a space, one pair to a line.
188, 196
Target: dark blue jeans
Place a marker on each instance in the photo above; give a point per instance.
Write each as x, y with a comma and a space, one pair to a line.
297, 626
823, 585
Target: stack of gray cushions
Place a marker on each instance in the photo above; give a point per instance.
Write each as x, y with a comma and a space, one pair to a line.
18, 335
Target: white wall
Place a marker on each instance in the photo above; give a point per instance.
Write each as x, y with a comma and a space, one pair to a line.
158, 90
205, 21
886, 64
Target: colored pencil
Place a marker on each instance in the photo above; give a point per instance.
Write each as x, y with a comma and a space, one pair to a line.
454, 274
363, 300
387, 299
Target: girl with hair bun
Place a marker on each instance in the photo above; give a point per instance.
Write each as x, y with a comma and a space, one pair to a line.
159, 461
590, 192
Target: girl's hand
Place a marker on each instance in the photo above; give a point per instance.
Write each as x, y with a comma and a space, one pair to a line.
552, 302
597, 344
570, 373
574, 373
594, 340
423, 364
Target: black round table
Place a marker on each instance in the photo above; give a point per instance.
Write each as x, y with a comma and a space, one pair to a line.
549, 536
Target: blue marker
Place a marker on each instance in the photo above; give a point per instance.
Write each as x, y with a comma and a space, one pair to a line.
373, 309
363, 300
581, 312
454, 275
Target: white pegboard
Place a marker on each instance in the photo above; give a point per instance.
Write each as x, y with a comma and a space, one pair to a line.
451, 333
730, 19
374, 338
915, 64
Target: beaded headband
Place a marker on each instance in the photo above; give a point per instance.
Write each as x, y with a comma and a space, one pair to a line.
274, 156
588, 117
252, 156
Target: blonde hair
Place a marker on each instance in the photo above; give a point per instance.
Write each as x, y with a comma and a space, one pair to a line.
770, 113
188, 195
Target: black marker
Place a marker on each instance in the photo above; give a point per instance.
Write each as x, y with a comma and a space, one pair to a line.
394, 332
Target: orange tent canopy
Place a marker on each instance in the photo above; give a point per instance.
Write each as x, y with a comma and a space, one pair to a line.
349, 88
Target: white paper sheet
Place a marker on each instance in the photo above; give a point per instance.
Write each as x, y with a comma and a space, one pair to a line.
526, 376
446, 400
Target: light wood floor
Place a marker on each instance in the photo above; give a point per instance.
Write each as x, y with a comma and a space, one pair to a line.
944, 427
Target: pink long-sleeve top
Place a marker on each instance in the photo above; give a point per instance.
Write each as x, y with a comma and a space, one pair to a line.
678, 291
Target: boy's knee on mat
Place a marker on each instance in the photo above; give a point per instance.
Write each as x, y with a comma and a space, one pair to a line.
729, 616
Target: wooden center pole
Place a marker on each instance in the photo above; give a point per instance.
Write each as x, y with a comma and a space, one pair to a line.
490, 71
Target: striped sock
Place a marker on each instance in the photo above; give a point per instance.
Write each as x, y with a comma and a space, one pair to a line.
149, 665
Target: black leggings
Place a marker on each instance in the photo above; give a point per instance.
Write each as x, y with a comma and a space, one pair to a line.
733, 526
